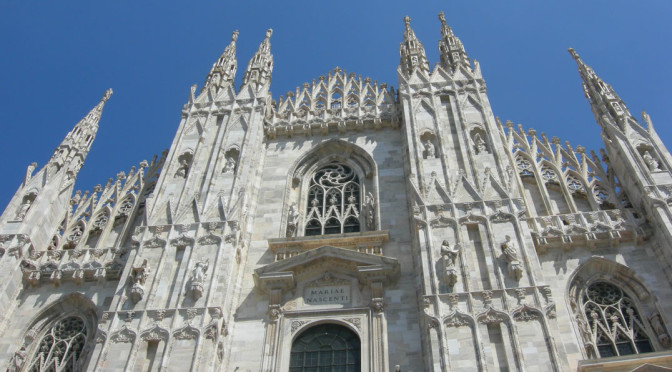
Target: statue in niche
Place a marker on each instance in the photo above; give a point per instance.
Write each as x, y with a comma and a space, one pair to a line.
183, 170
25, 206
510, 253
370, 206
449, 256
198, 275
429, 149
230, 165
292, 220
650, 161
138, 277
481, 147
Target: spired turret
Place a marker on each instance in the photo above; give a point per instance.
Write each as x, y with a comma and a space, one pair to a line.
642, 157
411, 51
223, 71
44, 198
451, 48
260, 67
77, 143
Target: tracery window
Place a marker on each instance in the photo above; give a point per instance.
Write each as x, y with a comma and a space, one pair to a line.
614, 323
326, 347
61, 347
333, 201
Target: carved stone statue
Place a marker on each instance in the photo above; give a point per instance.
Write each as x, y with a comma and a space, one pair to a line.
429, 149
369, 207
25, 206
650, 161
230, 165
510, 253
292, 220
138, 277
449, 256
481, 147
183, 170
449, 253
198, 275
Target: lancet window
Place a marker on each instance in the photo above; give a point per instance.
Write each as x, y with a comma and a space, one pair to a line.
333, 205
614, 323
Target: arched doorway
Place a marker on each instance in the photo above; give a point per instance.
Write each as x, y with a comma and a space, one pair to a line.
326, 347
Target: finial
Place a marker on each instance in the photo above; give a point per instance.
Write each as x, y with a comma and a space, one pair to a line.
269, 32
234, 35
574, 54
442, 18
107, 95
407, 21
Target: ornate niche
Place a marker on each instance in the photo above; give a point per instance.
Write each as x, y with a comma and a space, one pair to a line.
184, 161
231, 158
479, 140
327, 284
429, 144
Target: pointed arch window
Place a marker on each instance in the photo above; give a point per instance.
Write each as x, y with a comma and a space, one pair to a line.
614, 322
326, 347
333, 205
61, 347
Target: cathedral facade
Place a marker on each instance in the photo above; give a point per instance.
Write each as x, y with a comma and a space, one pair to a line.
347, 226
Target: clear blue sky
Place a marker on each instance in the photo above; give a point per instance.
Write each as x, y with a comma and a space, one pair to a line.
59, 57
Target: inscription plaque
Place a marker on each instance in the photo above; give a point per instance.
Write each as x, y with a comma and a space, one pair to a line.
333, 294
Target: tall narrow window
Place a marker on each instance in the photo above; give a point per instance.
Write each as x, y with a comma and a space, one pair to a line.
61, 347
333, 201
326, 347
614, 321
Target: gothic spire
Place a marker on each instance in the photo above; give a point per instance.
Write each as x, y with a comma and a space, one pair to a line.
80, 138
604, 101
451, 48
261, 65
412, 51
223, 71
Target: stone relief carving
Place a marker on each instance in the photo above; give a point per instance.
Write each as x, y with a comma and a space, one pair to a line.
510, 254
